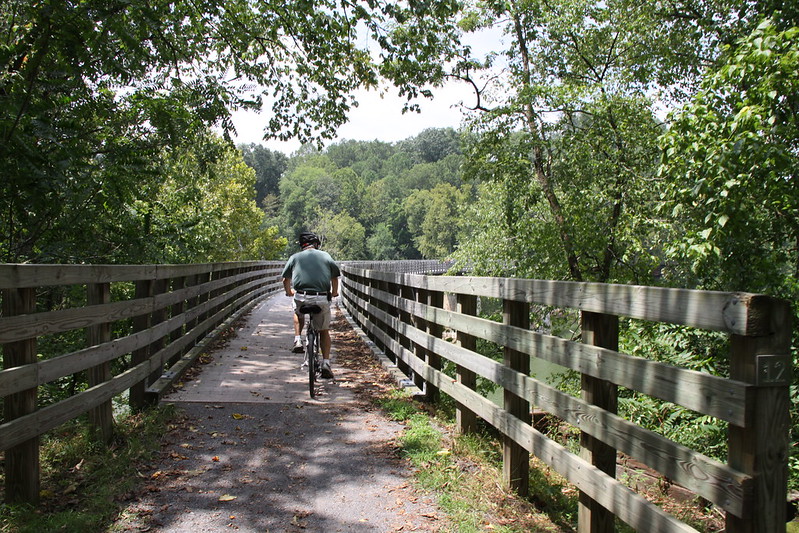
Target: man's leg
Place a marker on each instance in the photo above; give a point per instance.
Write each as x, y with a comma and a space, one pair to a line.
324, 341
324, 338
299, 322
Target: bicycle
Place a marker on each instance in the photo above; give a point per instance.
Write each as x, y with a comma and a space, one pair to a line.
313, 356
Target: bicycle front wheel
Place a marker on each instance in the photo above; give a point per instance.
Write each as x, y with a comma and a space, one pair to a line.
310, 351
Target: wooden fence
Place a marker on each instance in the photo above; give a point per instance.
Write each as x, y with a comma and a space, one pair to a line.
168, 314
405, 315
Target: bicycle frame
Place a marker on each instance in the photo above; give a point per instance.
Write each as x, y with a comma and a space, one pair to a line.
312, 348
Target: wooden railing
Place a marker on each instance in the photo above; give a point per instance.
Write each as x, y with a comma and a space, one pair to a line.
168, 315
405, 317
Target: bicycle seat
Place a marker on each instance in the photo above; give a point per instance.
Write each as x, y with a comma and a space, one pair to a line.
311, 309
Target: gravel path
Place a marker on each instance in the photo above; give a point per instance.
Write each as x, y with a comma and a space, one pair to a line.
253, 452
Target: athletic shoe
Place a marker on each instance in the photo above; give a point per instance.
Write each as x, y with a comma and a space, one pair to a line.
326, 372
298, 347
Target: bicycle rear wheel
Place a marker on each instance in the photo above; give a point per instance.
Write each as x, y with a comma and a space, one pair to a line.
310, 352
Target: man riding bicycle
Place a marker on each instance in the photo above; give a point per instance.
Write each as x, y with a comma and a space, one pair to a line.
311, 277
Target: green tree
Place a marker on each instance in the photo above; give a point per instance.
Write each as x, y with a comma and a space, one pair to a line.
569, 133
342, 236
730, 168
203, 213
433, 219
92, 93
433, 144
382, 244
269, 165
729, 178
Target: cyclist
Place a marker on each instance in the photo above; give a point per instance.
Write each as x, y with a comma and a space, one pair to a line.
311, 276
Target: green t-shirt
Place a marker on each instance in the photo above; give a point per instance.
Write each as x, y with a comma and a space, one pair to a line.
311, 270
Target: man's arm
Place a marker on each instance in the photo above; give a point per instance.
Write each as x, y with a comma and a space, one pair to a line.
334, 286
287, 286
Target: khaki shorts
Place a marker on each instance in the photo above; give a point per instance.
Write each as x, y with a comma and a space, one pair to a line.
321, 321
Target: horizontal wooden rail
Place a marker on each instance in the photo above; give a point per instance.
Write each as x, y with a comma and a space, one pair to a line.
176, 312
753, 402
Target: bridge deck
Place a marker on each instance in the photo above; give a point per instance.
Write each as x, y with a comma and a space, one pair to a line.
255, 453
257, 366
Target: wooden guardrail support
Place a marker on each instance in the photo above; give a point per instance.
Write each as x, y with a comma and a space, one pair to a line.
466, 419
143, 289
434, 299
763, 360
602, 331
408, 293
160, 286
22, 461
750, 486
515, 458
176, 309
162, 329
101, 418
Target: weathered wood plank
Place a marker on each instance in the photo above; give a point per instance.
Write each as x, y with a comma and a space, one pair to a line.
101, 418
176, 370
712, 395
52, 322
738, 313
56, 414
598, 330
22, 465
515, 458
621, 501
761, 447
25, 275
466, 420
30, 376
710, 479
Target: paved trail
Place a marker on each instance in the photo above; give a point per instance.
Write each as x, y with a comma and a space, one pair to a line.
254, 452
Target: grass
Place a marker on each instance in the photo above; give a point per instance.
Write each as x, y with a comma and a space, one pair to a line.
84, 483
464, 473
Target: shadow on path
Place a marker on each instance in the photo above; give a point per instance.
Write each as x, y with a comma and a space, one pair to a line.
254, 453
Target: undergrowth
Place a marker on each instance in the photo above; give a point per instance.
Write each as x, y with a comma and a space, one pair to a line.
464, 473
83, 482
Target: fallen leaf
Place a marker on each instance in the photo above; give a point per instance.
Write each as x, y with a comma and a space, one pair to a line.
227, 498
237, 416
215, 458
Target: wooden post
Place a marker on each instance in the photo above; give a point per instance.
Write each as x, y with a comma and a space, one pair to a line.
176, 309
101, 418
192, 302
515, 458
434, 299
160, 286
137, 400
22, 466
465, 419
204, 296
598, 330
411, 294
761, 448
378, 285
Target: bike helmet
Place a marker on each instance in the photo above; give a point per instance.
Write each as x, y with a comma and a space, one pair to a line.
308, 238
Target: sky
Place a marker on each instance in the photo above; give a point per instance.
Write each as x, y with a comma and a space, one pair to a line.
375, 118
381, 119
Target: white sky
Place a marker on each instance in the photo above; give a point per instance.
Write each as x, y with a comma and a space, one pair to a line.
381, 119
375, 118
